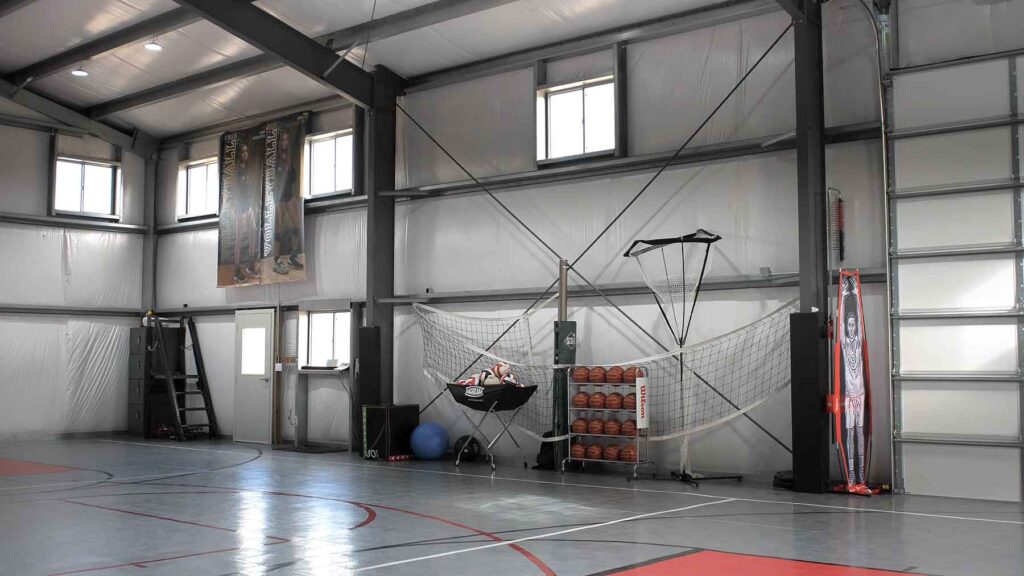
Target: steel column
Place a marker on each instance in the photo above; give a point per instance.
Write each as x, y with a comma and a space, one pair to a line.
379, 174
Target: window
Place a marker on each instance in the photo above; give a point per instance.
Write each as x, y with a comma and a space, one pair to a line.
328, 338
86, 187
330, 163
198, 188
576, 119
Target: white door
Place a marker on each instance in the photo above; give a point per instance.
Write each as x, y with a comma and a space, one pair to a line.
254, 383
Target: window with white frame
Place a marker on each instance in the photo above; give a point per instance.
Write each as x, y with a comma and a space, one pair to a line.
576, 119
329, 163
198, 188
86, 187
328, 338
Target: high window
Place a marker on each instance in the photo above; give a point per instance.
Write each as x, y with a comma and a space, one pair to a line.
576, 119
86, 187
198, 188
330, 163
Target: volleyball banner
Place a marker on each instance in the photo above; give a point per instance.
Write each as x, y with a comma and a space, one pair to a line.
261, 226
850, 401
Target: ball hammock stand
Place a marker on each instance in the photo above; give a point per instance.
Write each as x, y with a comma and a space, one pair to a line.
491, 400
673, 268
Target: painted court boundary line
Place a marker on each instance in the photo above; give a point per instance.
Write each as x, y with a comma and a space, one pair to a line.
582, 485
538, 536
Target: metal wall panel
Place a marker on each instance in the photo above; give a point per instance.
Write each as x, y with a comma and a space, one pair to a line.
962, 157
939, 30
955, 220
972, 283
961, 408
24, 171
949, 95
958, 346
960, 471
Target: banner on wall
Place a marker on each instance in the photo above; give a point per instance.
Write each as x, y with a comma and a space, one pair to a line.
261, 226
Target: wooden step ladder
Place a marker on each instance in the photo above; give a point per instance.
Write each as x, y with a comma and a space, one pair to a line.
178, 390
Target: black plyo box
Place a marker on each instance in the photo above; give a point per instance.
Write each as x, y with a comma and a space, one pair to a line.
387, 431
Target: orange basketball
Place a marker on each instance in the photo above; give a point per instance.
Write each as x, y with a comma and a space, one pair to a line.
629, 375
596, 426
628, 428
579, 426
614, 375
612, 427
597, 375
578, 450
611, 452
628, 454
580, 400
594, 451
629, 402
613, 401
581, 374
597, 400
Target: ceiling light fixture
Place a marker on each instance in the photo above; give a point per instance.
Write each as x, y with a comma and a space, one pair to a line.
153, 46
79, 72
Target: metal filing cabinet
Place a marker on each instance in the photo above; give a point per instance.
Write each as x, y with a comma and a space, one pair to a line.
148, 405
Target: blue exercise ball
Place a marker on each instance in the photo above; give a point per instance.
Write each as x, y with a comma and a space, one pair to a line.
429, 441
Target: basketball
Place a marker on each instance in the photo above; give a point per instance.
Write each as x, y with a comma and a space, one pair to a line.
628, 428
629, 402
580, 400
629, 375
614, 375
611, 452
613, 401
597, 375
579, 426
578, 450
596, 426
612, 427
628, 453
597, 400
594, 451
581, 374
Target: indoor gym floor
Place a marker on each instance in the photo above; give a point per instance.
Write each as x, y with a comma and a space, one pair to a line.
121, 506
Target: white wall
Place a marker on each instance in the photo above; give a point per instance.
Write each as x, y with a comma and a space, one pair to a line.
64, 374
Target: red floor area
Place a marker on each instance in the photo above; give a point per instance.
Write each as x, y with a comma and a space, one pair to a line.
10, 467
709, 563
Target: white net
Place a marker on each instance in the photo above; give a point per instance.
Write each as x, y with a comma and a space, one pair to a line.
673, 269
691, 388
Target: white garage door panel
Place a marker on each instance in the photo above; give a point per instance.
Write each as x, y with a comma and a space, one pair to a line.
962, 471
965, 283
958, 346
955, 220
958, 158
961, 408
949, 95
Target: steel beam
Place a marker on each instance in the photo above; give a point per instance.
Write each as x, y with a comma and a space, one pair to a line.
379, 173
793, 8
146, 29
379, 29
138, 142
10, 6
75, 223
294, 48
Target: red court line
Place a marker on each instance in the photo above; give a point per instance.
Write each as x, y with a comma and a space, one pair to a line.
145, 515
11, 467
711, 563
371, 515
143, 563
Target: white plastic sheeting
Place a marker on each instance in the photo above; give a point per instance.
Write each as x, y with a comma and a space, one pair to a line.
948, 95
937, 30
335, 248
63, 375
65, 267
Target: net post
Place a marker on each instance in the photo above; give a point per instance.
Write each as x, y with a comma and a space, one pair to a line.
565, 353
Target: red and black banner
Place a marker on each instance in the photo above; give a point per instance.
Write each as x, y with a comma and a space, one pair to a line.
261, 224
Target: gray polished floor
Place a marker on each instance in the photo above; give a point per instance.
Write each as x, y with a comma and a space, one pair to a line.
154, 508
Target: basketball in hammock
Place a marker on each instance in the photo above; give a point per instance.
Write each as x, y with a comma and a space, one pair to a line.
674, 268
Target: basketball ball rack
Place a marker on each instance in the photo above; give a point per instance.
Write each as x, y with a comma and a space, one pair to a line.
638, 441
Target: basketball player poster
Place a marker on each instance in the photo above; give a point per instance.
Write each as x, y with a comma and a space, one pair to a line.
261, 223
282, 254
241, 208
850, 401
